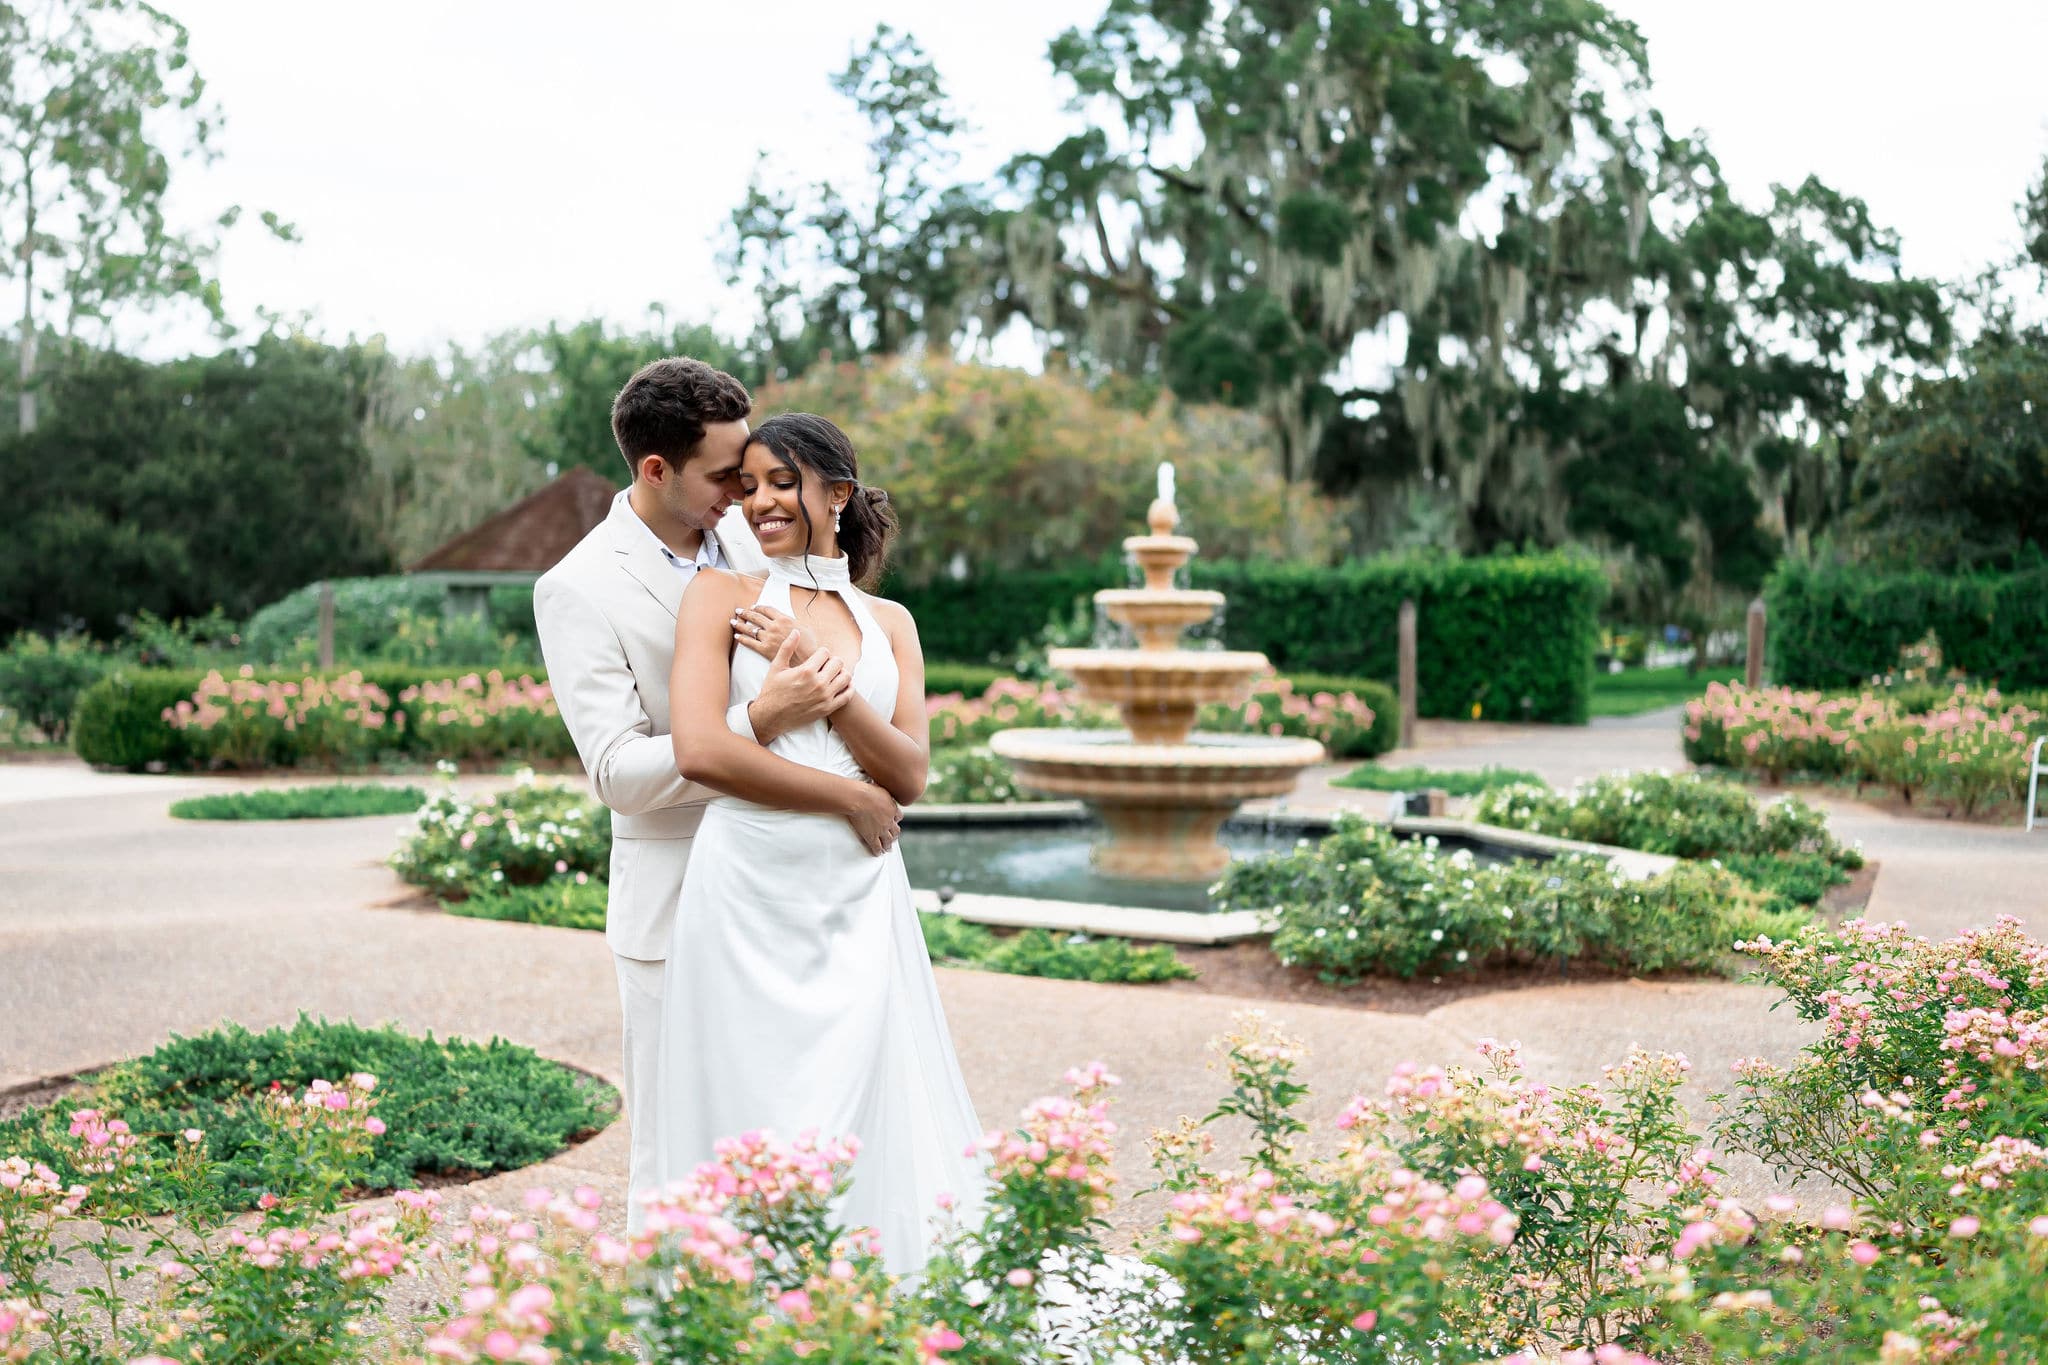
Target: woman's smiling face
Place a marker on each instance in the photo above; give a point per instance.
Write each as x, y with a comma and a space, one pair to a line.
776, 500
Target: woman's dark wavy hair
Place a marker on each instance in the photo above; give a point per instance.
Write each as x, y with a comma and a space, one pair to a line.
808, 444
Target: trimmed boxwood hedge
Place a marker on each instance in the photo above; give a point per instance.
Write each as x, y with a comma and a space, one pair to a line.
1511, 634
1839, 626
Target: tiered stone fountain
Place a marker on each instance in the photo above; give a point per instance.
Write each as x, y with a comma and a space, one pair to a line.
1163, 790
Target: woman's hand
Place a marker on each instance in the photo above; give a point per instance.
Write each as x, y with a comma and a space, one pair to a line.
763, 630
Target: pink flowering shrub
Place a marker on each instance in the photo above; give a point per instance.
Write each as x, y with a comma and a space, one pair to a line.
300, 1282
1969, 751
1923, 1101
1454, 1215
244, 723
347, 721
1344, 723
485, 716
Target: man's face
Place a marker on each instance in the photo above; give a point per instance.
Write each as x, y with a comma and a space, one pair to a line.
698, 492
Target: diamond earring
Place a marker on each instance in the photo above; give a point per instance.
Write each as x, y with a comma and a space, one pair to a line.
835, 521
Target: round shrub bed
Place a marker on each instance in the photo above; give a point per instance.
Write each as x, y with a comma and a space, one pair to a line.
335, 801
453, 1108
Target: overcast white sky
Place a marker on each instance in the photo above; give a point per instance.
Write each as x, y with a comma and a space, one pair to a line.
461, 168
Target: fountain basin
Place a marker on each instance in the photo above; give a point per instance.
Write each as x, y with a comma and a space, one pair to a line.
1158, 619
1159, 692
1163, 804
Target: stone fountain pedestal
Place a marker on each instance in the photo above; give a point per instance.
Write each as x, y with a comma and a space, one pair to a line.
1163, 790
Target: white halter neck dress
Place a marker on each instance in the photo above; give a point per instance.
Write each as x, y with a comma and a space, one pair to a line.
798, 995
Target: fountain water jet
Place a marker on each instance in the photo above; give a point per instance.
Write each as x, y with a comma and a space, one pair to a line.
1162, 790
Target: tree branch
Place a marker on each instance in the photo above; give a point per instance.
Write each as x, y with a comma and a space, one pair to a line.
1230, 201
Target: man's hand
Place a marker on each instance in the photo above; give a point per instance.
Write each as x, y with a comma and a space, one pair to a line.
795, 694
875, 818
763, 629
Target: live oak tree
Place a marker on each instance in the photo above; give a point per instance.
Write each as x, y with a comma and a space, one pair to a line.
99, 102
1450, 251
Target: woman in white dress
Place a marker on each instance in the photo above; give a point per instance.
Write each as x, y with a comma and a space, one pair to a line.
798, 994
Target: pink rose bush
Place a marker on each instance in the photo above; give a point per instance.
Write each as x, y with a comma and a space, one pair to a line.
1969, 751
302, 1281
485, 716
346, 721
244, 723
1924, 1099
1455, 1214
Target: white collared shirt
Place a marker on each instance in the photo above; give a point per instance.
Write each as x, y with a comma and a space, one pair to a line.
708, 555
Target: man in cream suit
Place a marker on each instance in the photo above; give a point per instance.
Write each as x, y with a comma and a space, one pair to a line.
607, 620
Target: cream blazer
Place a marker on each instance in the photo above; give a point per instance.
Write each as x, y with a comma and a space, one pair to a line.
607, 621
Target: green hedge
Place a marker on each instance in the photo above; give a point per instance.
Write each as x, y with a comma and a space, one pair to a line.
1512, 634
119, 722
1839, 626
983, 619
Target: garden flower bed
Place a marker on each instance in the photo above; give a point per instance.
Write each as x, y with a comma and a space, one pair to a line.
1454, 1214
1965, 752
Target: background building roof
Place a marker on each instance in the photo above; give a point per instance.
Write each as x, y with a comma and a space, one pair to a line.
531, 535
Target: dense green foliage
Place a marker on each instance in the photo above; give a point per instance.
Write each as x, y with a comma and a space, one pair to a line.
454, 1107
1451, 781
394, 619
997, 471
562, 902
1510, 635
1955, 470
1838, 625
534, 833
1246, 255
334, 801
41, 679
1783, 851
967, 680
1361, 902
1685, 815
223, 481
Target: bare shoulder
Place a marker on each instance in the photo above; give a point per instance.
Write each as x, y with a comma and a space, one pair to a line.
893, 617
724, 589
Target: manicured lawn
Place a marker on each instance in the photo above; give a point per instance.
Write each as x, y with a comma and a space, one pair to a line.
331, 802
1455, 782
1637, 690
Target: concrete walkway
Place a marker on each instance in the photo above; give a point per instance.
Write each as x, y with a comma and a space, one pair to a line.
120, 926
